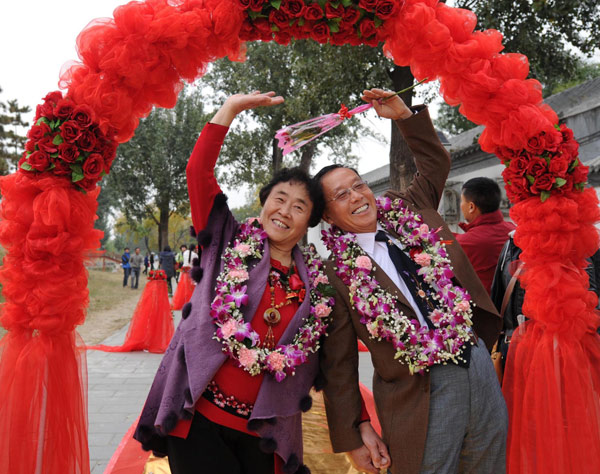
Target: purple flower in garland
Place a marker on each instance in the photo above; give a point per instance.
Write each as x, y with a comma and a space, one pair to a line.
238, 296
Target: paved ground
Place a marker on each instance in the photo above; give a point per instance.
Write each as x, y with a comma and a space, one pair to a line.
117, 387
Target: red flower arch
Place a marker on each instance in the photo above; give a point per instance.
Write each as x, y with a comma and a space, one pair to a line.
137, 60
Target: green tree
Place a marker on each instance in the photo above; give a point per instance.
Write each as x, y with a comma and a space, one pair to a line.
148, 175
556, 36
314, 79
11, 141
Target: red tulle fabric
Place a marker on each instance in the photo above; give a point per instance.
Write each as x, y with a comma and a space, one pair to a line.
184, 290
46, 228
151, 327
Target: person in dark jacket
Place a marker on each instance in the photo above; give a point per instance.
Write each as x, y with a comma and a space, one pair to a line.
126, 266
508, 263
167, 263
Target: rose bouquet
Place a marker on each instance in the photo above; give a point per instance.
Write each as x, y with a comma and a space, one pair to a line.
339, 22
548, 164
66, 141
159, 275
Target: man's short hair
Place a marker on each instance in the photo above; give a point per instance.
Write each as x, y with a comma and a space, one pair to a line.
318, 178
484, 193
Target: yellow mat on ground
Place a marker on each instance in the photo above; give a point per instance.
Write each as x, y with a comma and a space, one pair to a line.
318, 455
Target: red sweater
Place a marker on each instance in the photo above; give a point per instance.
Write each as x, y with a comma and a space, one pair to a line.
482, 242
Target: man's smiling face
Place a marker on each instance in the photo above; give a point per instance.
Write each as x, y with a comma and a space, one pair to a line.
352, 211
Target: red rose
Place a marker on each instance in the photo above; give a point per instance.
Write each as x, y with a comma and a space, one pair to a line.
543, 182
279, 19
320, 32
368, 5
537, 167
109, 151
519, 164
53, 97
385, 9
68, 152
517, 190
83, 116
93, 166
343, 36
313, 12
63, 109
70, 131
568, 186
245, 4
30, 145
86, 140
373, 41
62, 168
263, 27
559, 166
45, 110
39, 160
536, 145
283, 37
331, 12
256, 5
37, 132
22, 160
293, 8
580, 174
248, 32
566, 132
87, 184
351, 16
46, 145
367, 28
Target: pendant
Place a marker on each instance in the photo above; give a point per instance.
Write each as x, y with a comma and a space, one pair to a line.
272, 316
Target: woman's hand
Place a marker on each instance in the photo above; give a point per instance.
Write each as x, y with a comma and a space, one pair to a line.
239, 102
393, 108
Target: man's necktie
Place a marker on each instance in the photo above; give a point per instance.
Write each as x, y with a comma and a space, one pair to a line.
407, 270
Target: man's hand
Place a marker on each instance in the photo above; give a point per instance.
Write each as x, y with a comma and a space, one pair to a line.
239, 102
393, 108
361, 460
378, 451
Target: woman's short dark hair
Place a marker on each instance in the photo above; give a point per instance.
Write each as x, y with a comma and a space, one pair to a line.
299, 176
484, 193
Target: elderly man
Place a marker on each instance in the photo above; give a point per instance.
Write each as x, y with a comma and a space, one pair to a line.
410, 298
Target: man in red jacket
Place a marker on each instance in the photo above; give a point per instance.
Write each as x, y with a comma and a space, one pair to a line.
485, 229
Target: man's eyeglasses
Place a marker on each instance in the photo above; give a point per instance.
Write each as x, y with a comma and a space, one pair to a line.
342, 195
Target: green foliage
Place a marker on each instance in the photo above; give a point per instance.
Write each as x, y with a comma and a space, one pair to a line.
451, 121
148, 174
314, 79
11, 141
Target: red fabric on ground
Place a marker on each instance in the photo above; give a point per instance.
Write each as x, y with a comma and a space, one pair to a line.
151, 326
184, 290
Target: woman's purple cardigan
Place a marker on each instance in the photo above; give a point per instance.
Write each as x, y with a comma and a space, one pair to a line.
194, 357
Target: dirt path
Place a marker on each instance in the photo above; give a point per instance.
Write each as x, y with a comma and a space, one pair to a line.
106, 319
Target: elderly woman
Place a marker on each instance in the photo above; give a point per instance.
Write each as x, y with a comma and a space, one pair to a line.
231, 387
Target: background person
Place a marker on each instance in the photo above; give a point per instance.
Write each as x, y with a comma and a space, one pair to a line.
166, 260
486, 230
126, 266
136, 262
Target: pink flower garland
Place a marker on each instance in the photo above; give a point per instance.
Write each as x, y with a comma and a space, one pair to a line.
417, 346
240, 340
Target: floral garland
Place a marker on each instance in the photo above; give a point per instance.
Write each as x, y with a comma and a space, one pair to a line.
240, 341
417, 346
548, 164
157, 275
66, 141
344, 21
